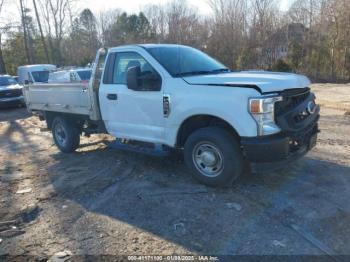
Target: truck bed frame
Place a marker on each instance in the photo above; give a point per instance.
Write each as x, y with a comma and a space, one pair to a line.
63, 98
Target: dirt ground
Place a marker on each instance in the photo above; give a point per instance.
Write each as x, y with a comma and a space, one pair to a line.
101, 201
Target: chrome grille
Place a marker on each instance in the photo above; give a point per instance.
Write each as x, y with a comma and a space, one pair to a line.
10, 93
291, 99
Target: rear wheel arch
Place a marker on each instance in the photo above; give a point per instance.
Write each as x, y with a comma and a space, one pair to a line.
195, 122
49, 117
75, 119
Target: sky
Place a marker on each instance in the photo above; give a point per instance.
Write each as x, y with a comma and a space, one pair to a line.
130, 6
134, 6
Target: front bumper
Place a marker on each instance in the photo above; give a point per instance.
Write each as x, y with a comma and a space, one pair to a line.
12, 101
275, 151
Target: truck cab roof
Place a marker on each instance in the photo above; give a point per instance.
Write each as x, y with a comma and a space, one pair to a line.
145, 46
37, 66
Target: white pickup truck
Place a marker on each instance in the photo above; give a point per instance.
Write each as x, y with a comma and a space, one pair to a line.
173, 96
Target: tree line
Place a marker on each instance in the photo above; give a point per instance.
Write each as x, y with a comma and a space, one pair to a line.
312, 37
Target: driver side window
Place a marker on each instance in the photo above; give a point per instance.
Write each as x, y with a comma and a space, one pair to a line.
126, 60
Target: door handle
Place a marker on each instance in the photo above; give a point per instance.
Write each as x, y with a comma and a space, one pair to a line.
112, 96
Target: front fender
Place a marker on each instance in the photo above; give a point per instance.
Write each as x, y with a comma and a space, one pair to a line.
243, 123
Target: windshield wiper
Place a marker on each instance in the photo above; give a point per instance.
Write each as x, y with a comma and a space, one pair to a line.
215, 71
193, 73
221, 70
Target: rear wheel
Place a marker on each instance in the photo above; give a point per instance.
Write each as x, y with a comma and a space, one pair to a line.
66, 134
214, 156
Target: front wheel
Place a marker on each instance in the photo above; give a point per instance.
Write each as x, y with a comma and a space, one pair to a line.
66, 134
214, 156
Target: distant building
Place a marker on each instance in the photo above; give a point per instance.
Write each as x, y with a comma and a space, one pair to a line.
278, 45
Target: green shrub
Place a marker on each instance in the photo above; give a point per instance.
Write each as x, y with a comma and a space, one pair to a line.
281, 66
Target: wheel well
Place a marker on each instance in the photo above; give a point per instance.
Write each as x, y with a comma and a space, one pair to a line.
50, 116
199, 121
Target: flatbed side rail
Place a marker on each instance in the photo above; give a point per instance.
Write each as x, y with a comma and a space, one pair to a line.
70, 98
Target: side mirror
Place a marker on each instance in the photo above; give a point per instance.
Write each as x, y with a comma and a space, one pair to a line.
132, 78
26, 82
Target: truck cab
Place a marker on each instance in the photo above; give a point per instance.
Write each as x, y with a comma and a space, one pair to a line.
72, 75
34, 73
179, 97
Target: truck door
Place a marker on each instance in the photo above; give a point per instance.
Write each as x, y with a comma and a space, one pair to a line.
127, 113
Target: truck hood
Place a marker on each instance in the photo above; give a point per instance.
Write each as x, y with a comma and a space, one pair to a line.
10, 87
262, 80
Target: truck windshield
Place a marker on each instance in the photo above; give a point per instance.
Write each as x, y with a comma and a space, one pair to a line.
84, 75
41, 76
186, 61
7, 81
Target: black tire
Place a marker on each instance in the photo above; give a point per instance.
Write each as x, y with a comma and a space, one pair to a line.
69, 130
219, 143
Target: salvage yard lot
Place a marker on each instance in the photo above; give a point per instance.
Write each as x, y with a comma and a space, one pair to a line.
102, 201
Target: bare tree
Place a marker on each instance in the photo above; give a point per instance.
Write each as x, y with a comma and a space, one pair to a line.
105, 21
313, 37
176, 22
156, 15
55, 14
41, 32
2, 63
25, 31
6, 27
264, 18
181, 22
229, 29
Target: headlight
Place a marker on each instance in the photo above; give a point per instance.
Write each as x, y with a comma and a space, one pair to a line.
263, 111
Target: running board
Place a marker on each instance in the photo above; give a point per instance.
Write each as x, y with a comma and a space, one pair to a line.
158, 150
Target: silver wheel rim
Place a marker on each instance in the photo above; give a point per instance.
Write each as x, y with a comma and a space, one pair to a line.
208, 159
60, 134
